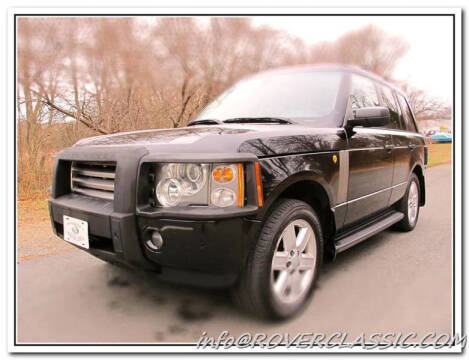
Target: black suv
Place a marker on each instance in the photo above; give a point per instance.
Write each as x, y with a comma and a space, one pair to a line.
282, 170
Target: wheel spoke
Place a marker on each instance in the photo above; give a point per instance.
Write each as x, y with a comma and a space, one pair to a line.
279, 262
289, 238
296, 283
307, 262
302, 239
282, 282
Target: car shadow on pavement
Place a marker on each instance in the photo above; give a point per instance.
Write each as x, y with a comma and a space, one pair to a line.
193, 305
187, 306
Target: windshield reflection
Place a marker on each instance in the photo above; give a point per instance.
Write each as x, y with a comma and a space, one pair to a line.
281, 95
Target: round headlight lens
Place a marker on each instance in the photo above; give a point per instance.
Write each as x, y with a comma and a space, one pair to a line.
194, 179
168, 192
223, 197
180, 183
194, 172
173, 171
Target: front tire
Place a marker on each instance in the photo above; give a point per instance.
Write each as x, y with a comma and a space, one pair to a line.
409, 205
284, 265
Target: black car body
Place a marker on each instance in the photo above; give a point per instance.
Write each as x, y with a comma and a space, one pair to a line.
352, 164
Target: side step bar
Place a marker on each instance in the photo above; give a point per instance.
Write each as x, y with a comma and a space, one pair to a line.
350, 240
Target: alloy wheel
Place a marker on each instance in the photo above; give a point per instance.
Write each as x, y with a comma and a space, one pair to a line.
293, 262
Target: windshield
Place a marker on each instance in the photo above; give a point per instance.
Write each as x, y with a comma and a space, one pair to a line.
284, 95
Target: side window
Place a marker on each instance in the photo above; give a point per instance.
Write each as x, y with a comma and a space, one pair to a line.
406, 114
390, 102
363, 93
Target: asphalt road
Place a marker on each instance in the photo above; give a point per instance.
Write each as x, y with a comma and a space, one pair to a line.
393, 282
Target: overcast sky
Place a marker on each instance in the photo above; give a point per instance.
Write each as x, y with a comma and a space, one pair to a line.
429, 62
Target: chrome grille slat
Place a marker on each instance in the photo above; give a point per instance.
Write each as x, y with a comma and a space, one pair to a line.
94, 173
95, 183
95, 179
95, 193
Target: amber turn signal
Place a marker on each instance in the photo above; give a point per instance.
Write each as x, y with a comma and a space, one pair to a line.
223, 174
240, 185
260, 195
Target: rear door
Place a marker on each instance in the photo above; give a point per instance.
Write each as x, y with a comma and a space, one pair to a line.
370, 157
406, 142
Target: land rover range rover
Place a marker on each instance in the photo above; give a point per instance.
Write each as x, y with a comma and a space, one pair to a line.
284, 169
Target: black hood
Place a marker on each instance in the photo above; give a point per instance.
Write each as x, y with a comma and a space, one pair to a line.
259, 139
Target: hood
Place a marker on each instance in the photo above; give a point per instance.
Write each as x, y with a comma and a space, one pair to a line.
259, 139
186, 135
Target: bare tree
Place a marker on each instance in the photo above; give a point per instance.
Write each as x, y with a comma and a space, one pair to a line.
424, 106
369, 47
81, 77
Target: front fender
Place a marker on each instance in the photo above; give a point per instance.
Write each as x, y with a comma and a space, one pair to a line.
281, 173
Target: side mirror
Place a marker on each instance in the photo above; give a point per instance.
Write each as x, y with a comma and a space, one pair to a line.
375, 116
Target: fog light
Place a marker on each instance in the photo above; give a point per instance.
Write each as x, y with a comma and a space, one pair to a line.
156, 241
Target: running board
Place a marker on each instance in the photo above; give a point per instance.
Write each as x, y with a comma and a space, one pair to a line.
357, 237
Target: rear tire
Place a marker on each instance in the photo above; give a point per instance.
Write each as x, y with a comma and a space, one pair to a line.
283, 267
409, 205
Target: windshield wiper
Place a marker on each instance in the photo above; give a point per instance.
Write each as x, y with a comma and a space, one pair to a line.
253, 120
205, 122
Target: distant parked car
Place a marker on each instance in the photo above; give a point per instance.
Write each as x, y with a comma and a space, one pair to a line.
442, 137
429, 133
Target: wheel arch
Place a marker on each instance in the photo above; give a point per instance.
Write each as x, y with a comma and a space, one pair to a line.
314, 191
418, 171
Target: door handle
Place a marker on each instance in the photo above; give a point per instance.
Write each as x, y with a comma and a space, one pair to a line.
412, 147
388, 147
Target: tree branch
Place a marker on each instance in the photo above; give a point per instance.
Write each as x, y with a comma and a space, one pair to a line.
77, 117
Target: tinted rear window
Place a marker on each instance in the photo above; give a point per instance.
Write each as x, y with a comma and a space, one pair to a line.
407, 114
389, 101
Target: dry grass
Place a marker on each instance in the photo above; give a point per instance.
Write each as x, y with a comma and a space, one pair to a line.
35, 237
32, 211
439, 154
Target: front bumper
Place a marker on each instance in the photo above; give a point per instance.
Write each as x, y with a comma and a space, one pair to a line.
200, 249
207, 253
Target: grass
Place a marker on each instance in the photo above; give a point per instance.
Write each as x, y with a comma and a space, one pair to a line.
35, 236
439, 154
32, 211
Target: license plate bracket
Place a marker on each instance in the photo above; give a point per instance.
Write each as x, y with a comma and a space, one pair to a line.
76, 231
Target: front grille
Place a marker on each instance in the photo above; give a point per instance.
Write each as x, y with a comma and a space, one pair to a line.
95, 179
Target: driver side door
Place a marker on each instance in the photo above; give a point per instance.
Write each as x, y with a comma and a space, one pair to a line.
370, 157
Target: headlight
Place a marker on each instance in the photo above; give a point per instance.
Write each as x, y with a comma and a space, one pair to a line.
169, 192
182, 184
189, 184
